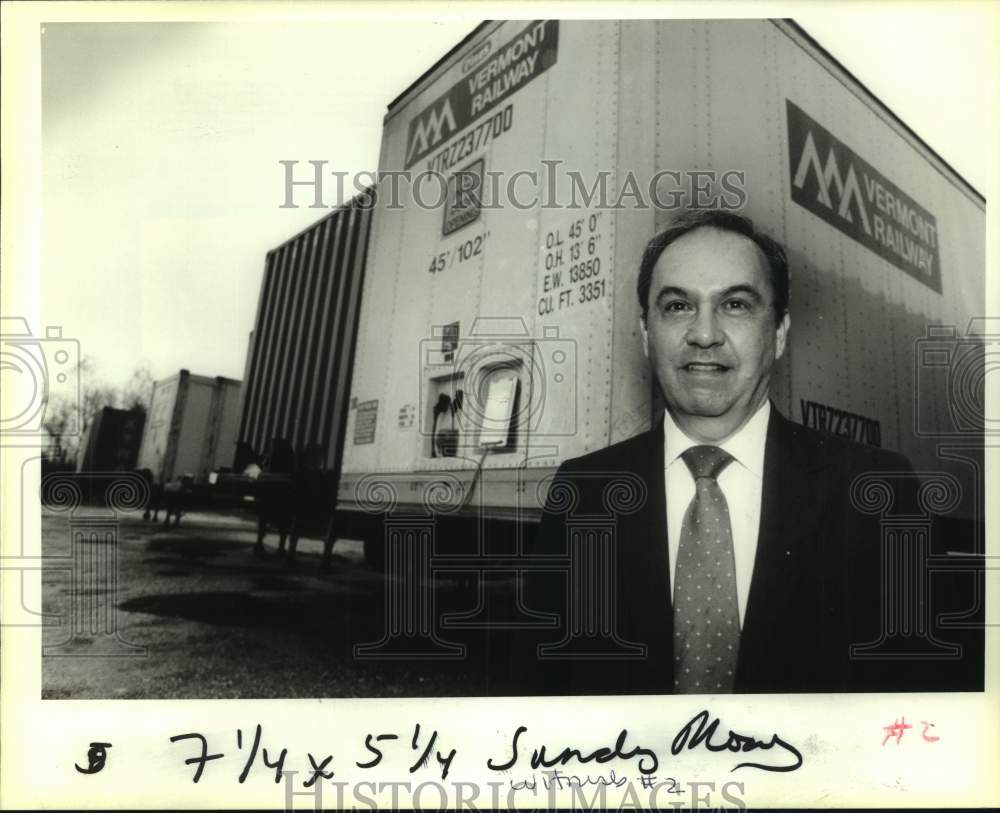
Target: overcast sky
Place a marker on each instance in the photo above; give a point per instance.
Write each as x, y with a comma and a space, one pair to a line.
161, 142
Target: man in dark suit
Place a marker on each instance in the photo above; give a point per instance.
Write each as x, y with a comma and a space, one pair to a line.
740, 562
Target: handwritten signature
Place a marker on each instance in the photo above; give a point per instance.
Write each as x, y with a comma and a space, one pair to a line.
701, 732
648, 761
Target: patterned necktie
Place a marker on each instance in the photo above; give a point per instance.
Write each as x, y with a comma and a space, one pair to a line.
706, 613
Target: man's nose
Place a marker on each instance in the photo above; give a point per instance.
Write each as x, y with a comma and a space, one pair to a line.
704, 330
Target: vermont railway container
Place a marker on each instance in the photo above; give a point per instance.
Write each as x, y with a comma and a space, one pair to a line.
530, 310
191, 427
302, 345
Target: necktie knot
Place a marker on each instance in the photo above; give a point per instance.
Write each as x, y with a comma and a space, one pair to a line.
706, 461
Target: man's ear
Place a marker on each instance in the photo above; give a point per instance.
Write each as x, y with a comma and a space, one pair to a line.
645, 336
781, 336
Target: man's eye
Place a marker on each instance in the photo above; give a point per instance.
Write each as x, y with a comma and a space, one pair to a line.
676, 306
736, 305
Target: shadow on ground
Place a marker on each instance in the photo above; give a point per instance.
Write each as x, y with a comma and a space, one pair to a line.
193, 548
304, 614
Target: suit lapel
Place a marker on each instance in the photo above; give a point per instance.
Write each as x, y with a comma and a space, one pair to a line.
645, 565
788, 520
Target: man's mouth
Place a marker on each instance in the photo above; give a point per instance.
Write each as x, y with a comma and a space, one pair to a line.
704, 367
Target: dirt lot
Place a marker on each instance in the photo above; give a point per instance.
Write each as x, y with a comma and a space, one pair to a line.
198, 615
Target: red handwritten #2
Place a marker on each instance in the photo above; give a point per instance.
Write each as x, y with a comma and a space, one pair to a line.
899, 727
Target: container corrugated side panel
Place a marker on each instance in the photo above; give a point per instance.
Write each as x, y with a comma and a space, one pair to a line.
294, 338
304, 336
253, 378
268, 376
284, 326
325, 337
296, 425
269, 332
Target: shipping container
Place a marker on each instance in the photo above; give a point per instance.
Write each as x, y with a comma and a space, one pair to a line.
191, 427
302, 345
112, 441
499, 337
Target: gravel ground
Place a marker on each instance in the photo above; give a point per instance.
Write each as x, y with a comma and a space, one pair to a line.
216, 621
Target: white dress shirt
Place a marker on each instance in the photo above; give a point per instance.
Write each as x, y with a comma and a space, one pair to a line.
741, 482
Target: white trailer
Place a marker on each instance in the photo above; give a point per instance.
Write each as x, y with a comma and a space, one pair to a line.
530, 310
191, 428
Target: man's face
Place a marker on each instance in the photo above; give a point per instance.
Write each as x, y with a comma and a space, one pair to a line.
710, 334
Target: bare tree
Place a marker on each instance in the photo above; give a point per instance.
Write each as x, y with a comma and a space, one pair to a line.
61, 424
137, 392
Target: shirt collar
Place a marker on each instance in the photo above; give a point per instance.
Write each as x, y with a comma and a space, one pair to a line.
746, 446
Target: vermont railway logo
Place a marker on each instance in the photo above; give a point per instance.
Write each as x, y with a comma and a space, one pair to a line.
836, 184
429, 129
530, 53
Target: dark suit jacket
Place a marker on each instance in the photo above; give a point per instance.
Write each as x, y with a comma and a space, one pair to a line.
815, 590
